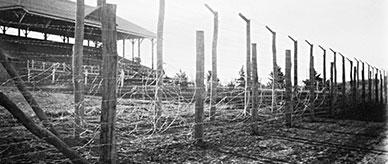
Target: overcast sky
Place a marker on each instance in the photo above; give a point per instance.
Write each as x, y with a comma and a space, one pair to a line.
356, 28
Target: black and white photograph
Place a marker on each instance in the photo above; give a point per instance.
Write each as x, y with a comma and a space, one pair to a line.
193, 81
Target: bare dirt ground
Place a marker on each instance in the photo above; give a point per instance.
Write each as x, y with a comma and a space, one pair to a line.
228, 139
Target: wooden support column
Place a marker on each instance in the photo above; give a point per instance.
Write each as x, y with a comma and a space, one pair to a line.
133, 50
200, 88
123, 48
78, 79
255, 82
312, 80
275, 69
357, 80
159, 60
288, 94
248, 65
354, 87
214, 81
324, 65
295, 62
109, 85
152, 53
53, 73
28, 71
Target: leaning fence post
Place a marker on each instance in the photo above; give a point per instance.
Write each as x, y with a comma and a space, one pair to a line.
199, 88
369, 84
385, 87
214, 83
109, 85
254, 83
312, 79
248, 65
288, 95
275, 69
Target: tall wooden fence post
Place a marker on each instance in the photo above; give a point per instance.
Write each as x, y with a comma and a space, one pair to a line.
295, 62
385, 87
363, 94
288, 95
343, 83
331, 89
77, 67
109, 88
248, 65
214, 81
255, 81
335, 68
159, 60
312, 80
377, 86
381, 88
199, 88
275, 68
369, 85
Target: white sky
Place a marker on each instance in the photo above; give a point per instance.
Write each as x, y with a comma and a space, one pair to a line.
356, 28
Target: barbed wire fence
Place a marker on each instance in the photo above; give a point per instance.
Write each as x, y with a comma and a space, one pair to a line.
49, 76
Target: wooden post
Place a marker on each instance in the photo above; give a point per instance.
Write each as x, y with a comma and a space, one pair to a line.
159, 60
363, 94
40, 132
335, 68
324, 65
133, 50
369, 84
312, 79
77, 68
14, 75
255, 82
331, 89
376, 86
28, 71
288, 95
109, 88
274, 65
295, 62
86, 77
200, 88
123, 48
55, 66
343, 82
248, 65
385, 87
381, 89
152, 53
351, 76
356, 79
214, 82
354, 87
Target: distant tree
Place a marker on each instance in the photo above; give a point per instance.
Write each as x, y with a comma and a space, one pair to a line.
181, 79
240, 81
318, 81
279, 82
231, 85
